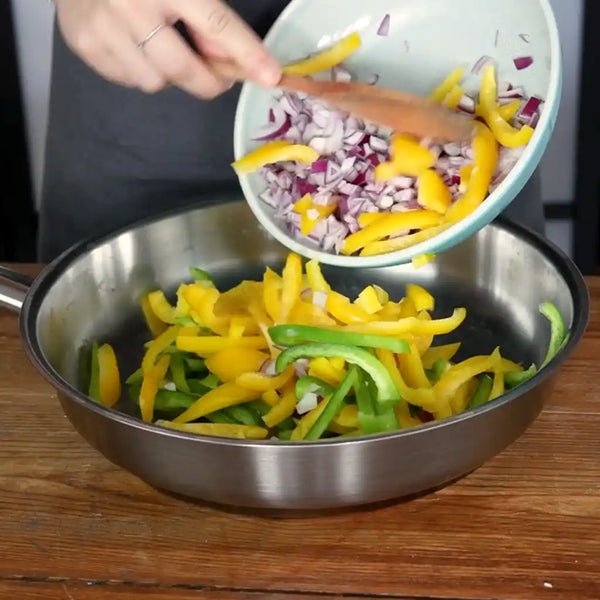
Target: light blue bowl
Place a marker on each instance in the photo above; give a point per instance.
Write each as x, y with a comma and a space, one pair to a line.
427, 40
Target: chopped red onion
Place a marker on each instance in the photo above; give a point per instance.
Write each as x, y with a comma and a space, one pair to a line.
467, 104
384, 26
481, 63
524, 37
522, 62
319, 299
268, 368
307, 403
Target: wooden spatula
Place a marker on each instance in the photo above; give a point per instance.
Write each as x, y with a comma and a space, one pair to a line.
400, 111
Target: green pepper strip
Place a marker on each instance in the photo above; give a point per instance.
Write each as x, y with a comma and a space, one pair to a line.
198, 387
439, 367
285, 435
515, 378
201, 275
333, 406
557, 330
210, 381
370, 418
244, 414
194, 364
482, 392
135, 378
288, 423
307, 383
177, 369
219, 416
387, 392
94, 388
168, 400
291, 335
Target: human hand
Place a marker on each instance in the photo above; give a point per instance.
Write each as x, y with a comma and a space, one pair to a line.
133, 43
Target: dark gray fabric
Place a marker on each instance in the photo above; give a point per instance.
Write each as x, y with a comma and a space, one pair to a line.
115, 155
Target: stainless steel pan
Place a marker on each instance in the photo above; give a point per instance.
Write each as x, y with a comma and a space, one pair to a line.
91, 293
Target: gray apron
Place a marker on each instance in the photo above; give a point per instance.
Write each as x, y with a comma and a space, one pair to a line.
115, 155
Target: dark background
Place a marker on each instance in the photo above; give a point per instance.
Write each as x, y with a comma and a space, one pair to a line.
18, 222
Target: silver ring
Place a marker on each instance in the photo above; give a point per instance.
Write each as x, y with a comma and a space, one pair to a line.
141, 44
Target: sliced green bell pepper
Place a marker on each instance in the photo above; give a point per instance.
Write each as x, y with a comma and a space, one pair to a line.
482, 392
558, 330
307, 383
515, 378
177, 369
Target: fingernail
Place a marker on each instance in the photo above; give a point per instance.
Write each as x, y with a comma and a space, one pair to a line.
268, 73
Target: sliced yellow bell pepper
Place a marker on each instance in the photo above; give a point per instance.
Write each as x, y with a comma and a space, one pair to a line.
446, 352
306, 207
498, 384
308, 313
422, 260
237, 327
109, 379
202, 301
423, 342
155, 325
261, 382
272, 152
408, 157
444, 88
291, 286
182, 308
158, 345
209, 344
272, 285
508, 111
390, 224
228, 430
407, 308
327, 58
347, 417
366, 219
308, 420
422, 299
460, 400
236, 300
316, 281
368, 300
433, 194
407, 421
161, 307
230, 363
271, 397
411, 368
227, 394
263, 322
465, 177
506, 135
388, 359
485, 150
152, 380
390, 312
453, 97
325, 369
411, 325
340, 307
508, 366
460, 373
284, 408
398, 243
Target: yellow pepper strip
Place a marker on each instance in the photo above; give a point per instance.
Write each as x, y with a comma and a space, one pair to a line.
407, 421
382, 295
465, 177
398, 243
498, 384
447, 352
411, 368
158, 345
347, 417
423, 342
209, 344
306, 208
453, 97
506, 135
227, 394
308, 420
324, 369
508, 366
411, 325
235, 301
458, 374
485, 150
284, 408
366, 219
202, 301
304, 204
273, 152
316, 281
227, 430
407, 308
271, 293
444, 88
237, 327
155, 325
182, 308
422, 260
388, 359
409, 157
422, 299
390, 224
390, 312
161, 307
433, 194
326, 59
109, 379
368, 300
308, 313
337, 363
336, 428
507, 111
340, 307
262, 320
153, 378
460, 400
261, 382
271, 397
291, 285
230, 363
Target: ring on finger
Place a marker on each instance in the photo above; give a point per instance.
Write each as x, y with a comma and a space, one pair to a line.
150, 35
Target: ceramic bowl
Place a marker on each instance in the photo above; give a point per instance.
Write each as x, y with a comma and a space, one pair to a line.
427, 40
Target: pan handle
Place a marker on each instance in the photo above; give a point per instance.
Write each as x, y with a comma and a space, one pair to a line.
13, 289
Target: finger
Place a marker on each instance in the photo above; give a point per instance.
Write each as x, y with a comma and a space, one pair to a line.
219, 24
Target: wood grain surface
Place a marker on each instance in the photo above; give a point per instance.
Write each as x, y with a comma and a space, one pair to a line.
524, 526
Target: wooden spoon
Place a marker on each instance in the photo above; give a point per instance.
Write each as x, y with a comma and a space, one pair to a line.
400, 111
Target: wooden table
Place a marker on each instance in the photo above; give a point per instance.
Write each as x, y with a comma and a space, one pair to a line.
524, 526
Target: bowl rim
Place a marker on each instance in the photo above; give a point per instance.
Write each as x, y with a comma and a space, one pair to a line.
54, 270
499, 199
